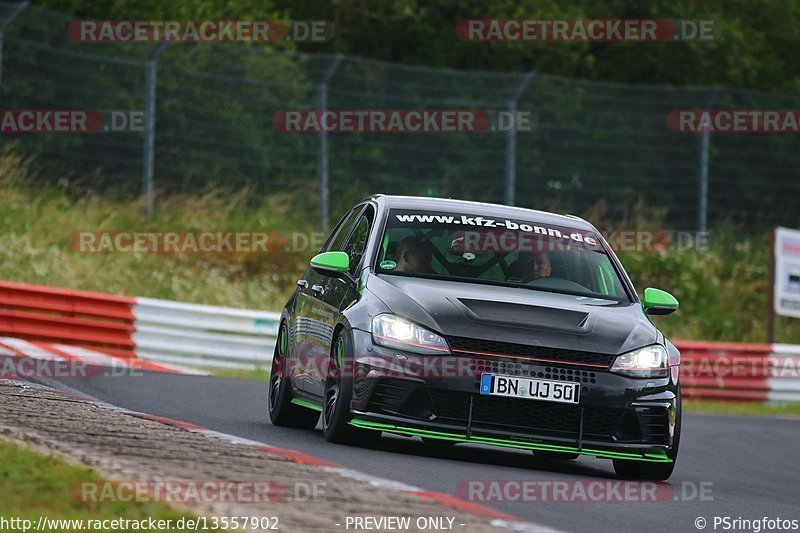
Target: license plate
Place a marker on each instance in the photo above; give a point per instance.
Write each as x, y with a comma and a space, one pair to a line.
530, 389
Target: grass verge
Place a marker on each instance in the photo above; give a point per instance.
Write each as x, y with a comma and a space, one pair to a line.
34, 485
258, 374
743, 408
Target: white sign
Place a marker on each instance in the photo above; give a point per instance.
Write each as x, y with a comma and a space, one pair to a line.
787, 272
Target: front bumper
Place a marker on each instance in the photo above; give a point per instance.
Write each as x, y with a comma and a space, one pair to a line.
437, 397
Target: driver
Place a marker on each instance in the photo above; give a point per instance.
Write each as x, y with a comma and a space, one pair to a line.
531, 268
414, 255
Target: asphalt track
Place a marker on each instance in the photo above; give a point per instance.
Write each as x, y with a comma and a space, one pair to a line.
751, 464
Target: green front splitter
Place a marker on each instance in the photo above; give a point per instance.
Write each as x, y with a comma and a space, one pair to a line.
652, 457
302, 402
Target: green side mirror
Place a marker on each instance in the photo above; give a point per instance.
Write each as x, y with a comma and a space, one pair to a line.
331, 263
658, 302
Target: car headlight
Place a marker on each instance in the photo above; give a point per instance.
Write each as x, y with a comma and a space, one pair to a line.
648, 362
395, 332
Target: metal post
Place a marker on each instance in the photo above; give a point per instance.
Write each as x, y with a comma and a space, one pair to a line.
3, 25
322, 164
510, 196
771, 317
511, 159
150, 125
703, 207
704, 146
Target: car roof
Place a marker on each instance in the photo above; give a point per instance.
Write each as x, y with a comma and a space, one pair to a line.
480, 208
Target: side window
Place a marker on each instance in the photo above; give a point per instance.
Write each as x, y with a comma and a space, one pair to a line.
357, 243
608, 283
337, 237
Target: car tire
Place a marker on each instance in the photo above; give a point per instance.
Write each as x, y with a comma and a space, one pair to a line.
653, 471
282, 412
555, 456
337, 397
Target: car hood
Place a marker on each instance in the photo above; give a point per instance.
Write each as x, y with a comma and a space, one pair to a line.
516, 315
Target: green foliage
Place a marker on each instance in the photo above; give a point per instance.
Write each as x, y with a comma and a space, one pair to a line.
38, 222
723, 292
755, 48
722, 285
215, 106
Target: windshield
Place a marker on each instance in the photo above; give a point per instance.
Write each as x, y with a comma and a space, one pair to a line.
498, 251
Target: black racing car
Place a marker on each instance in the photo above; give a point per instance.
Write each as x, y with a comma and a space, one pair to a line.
460, 321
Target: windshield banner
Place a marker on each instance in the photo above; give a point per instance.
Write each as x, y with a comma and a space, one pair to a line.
478, 234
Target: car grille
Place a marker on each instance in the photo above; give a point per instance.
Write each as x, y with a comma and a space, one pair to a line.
388, 395
525, 416
468, 346
654, 423
648, 425
512, 368
400, 397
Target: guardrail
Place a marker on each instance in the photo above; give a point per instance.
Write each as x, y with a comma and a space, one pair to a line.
184, 335
203, 336
70, 317
740, 372
195, 336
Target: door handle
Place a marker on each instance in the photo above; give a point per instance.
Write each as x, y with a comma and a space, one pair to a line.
302, 283
318, 289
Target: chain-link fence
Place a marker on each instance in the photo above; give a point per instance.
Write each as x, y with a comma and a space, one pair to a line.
212, 108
